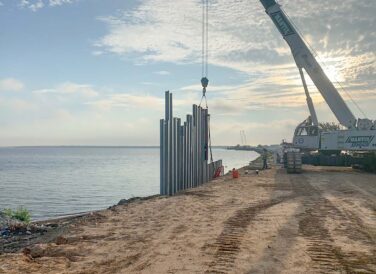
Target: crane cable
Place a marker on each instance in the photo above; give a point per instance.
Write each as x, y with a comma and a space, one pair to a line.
204, 64
205, 48
205, 37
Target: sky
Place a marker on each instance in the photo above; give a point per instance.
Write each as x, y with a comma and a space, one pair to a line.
94, 72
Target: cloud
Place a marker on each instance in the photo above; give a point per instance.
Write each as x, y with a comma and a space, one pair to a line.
32, 5
143, 102
97, 52
70, 88
265, 93
120, 100
35, 5
59, 2
243, 38
227, 132
159, 32
162, 72
17, 104
11, 84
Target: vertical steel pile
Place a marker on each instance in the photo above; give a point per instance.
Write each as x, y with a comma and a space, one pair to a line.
184, 150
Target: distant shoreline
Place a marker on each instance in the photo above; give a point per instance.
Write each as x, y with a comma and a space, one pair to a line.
89, 146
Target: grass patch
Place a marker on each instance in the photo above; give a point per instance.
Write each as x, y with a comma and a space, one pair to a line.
20, 214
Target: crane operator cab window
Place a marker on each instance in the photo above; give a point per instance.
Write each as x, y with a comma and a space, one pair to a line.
307, 131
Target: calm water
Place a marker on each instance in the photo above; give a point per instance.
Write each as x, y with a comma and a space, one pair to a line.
56, 181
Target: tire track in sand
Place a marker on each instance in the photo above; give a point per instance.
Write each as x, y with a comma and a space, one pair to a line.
325, 256
228, 242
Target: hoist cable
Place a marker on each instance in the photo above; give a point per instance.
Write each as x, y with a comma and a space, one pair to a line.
203, 41
205, 65
207, 38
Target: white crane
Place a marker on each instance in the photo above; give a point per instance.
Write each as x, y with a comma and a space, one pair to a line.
359, 134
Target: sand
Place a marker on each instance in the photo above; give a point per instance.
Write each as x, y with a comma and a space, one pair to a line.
321, 221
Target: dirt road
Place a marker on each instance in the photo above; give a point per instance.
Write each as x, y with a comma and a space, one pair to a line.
321, 221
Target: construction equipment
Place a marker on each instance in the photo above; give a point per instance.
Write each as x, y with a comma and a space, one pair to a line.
358, 135
243, 138
293, 160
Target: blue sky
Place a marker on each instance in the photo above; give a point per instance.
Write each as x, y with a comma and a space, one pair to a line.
94, 72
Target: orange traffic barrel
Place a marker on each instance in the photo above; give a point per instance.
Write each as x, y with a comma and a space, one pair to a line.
235, 173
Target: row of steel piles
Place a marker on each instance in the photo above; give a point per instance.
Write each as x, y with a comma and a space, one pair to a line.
183, 150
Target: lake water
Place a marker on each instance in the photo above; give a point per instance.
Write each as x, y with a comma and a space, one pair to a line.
57, 181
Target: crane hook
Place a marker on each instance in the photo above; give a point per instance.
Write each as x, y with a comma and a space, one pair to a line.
204, 83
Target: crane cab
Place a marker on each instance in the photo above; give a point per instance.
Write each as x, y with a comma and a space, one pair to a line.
307, 136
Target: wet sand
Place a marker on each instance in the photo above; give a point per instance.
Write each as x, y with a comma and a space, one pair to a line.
320, 221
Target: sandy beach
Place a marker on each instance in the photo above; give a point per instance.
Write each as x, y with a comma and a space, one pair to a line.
321, 221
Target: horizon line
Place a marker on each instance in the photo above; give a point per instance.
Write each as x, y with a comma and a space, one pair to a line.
92, 146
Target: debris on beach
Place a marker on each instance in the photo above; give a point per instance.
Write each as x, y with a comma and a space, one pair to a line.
15, 234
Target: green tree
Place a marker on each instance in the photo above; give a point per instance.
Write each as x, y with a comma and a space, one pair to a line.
326, 126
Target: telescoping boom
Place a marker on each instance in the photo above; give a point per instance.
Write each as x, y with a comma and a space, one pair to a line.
359, 135
305, 60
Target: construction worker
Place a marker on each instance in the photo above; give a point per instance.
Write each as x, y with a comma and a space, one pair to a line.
278, 158
265, 159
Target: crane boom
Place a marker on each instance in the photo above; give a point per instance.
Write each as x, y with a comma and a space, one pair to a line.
311, 108
305, 59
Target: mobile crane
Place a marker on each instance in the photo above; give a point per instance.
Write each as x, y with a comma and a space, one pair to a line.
359, 134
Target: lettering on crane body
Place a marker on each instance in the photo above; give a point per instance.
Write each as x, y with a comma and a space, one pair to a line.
282, 23
360, 141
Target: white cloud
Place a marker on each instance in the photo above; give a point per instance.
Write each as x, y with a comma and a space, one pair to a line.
242, 37
1, 4
268, 101
32, 5
35, 5
59, 2
162, 72
11, 84
70, 88
123, 100
97, 52
17, 104
227, 132
160, 32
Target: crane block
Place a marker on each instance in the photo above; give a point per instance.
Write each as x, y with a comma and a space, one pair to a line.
204, 82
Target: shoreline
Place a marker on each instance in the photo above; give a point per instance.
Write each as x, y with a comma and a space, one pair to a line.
265, 222
52, 228
47, 231
58, 213
80, 191
78, 214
